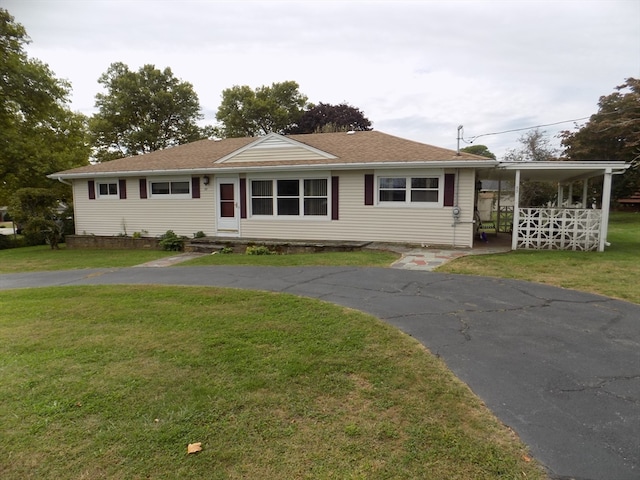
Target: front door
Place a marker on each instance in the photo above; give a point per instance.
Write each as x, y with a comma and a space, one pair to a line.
227, 207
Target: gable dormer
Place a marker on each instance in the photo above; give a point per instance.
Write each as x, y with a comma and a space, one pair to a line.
275, 148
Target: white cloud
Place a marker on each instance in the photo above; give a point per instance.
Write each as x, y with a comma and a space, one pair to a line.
417, 69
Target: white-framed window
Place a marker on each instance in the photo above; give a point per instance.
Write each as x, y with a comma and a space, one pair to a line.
289, 197
170, 187
414, 190
107, 188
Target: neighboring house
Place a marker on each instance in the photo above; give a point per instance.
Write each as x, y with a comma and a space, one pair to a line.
363, 186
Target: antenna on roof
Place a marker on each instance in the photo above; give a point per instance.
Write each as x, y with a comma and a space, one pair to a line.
460, 133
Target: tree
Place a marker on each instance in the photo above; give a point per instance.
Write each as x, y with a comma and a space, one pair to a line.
613, 133
534, 147
36, 211
244, 112
39, 134
325, 117
481, 150
142, 112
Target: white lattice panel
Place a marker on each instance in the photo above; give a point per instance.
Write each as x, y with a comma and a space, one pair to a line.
559, 228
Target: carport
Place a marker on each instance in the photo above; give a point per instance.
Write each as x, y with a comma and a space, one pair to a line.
576, 220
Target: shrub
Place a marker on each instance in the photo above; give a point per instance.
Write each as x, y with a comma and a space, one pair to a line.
171, 242
199, 234
226, 250
258, 250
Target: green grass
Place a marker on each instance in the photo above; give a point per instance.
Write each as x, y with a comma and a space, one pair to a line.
41, 258
614, 272
115, 381
364, 258
30, 259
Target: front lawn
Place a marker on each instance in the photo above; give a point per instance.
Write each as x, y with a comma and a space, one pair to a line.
42, 257
614, 272
115, 381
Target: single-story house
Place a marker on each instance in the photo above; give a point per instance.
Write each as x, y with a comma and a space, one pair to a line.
353, 186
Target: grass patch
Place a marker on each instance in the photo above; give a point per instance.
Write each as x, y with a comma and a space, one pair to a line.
614, 273
363, 258
115, 381
42, 257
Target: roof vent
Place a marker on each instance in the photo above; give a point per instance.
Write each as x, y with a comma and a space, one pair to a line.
351, 132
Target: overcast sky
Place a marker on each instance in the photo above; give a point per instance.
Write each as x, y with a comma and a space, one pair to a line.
417, 69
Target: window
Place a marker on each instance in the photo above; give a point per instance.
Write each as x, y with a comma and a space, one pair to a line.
171, 187
409, 190
262, 197
108, 189
290, 197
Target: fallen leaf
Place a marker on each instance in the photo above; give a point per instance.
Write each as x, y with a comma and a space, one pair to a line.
194, 447
526, 458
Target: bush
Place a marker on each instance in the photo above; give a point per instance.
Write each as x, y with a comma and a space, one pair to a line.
258, 250
9, 241
199, 234
171, 242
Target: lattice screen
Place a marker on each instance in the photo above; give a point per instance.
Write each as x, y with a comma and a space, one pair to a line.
559, 228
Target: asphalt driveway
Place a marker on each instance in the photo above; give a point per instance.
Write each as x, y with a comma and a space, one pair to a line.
561, 368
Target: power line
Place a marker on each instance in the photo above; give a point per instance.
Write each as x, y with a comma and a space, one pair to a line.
472, 139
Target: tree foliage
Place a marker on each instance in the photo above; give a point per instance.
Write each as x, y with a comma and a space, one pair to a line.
481, 150
535, 146
244, 112
36, 210
39, 134
142, 112
613, 133
325, 117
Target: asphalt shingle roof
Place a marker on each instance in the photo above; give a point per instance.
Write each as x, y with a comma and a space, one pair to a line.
360, 147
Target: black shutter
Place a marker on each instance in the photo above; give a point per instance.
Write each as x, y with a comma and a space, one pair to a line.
92, 189
143, 188
368, 189
122, 189
334, 198
195, 187
449, 189
243, 198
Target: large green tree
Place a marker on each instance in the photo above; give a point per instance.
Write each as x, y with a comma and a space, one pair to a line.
325, 117
39, 134
245, 112
613, 133
481, 150
142, 112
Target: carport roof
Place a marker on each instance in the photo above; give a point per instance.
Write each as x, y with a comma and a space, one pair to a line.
556, 171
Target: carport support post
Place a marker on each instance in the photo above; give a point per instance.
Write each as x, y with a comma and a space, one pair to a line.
585, 191
606, 204
516, 212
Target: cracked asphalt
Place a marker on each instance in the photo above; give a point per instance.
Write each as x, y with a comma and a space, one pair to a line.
559, 367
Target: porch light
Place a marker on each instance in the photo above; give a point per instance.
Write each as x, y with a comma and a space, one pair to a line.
205, 179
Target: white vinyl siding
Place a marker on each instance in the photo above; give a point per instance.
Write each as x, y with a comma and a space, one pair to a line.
184, 216
357, 221
430, 226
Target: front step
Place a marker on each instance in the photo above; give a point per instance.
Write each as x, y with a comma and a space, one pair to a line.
216, 244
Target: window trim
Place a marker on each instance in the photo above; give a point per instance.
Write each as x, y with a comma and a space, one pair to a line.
408, 176
108, 196
301, 197
169, 180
